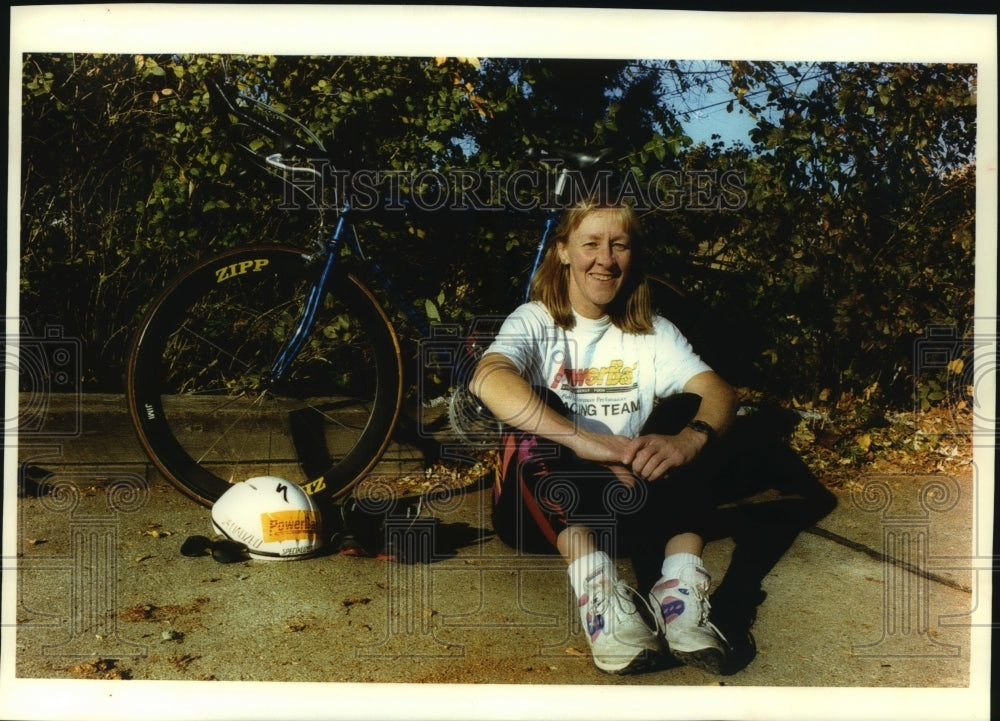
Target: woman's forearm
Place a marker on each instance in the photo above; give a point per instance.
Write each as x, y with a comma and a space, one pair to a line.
512, 401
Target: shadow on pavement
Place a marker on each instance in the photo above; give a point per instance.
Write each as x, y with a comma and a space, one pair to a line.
765, 494
401, 530
762, 530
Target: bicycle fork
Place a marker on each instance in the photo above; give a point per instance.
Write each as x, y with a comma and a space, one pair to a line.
303, 328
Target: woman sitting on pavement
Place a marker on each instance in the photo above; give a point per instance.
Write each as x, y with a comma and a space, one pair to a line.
588, 467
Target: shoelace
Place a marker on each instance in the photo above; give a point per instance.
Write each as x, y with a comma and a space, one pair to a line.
718, 633
704, 607
621, 595
704, 611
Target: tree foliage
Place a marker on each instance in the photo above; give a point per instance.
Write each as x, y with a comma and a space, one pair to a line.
862, 199
817, 253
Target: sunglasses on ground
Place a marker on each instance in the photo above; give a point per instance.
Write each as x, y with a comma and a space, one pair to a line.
224, 551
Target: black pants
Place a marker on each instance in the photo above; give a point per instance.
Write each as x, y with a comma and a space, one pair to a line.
543, 487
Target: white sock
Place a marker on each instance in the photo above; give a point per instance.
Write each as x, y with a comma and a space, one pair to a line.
673, 564
584, 570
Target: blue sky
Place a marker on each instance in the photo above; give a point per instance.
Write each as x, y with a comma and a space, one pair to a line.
731, 127
707, 109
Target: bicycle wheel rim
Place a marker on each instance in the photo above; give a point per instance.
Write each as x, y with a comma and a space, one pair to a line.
199, 393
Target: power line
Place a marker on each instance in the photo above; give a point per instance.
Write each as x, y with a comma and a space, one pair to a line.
756, 93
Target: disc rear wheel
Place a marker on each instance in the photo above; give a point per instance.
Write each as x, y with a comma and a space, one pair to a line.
206, 405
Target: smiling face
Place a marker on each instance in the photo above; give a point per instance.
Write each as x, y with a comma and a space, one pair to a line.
598, 252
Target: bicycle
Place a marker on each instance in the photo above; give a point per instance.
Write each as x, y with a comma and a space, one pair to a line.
273, 360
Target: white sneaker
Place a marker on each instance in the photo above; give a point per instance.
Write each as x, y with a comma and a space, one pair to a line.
620, 641
682, 605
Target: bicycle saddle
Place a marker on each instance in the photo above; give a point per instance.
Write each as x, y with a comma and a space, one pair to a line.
223, 97
575, 159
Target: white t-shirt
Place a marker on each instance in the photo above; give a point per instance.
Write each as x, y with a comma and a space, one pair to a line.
608, 379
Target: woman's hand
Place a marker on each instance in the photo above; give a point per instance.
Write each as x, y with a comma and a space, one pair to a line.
606, 449
652, 456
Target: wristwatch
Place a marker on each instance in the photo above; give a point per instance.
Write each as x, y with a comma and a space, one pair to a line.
703, 427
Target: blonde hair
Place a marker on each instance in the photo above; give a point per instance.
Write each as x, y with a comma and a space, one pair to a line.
631, 310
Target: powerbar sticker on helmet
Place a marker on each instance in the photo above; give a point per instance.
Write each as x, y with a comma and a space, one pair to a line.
298, 525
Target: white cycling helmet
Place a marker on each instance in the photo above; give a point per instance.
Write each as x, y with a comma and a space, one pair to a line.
275, 519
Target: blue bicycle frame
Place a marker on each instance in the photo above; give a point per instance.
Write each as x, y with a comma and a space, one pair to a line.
342, 231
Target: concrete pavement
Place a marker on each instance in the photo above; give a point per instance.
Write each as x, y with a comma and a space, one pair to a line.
877, 597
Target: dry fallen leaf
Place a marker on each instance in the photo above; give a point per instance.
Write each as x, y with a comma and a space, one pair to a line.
101, 668
352, 600
141, 611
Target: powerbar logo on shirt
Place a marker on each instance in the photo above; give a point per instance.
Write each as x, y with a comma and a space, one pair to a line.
614, 377
298, 525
